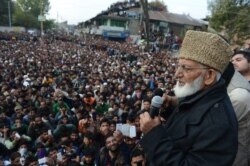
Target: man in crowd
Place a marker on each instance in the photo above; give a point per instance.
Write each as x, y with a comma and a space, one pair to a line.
203, 128
137, 157
146, 105
89, 158
241, 62
111, 154
36, 126
238, 90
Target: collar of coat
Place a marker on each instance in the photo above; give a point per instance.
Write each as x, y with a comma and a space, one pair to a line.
198, 104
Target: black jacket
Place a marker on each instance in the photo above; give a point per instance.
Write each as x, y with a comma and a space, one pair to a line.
201, 132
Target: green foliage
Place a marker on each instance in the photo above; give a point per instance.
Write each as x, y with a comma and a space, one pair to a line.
27, 12
25, 19
4, 17
158, 4
34, 6
48, 24
232, 17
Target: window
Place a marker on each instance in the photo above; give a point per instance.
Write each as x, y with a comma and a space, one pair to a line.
103, 22
118, 23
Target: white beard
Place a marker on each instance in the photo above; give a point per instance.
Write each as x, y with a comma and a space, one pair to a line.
189, 88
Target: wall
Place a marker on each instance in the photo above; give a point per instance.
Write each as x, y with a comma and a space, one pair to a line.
14, 28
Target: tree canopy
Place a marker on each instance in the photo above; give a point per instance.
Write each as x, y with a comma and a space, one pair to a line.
27, 12
156, 4
4, 15
231, 17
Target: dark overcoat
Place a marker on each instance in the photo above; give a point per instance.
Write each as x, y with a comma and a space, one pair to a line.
201, 132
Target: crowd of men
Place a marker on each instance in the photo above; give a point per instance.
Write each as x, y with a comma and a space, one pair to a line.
62, 98
51, 89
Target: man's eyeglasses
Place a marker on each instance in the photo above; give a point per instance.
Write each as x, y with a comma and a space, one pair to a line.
186, 69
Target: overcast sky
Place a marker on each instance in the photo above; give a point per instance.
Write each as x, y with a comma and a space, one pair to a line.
75, 11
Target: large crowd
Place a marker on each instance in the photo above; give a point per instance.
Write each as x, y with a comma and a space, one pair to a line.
62, 97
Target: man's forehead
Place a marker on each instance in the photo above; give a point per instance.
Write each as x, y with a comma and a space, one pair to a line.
238, 56
188, 62
110, 138
137, 158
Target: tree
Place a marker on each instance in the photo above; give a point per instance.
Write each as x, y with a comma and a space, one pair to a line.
231, 17
27, 12
160, 5
4, 15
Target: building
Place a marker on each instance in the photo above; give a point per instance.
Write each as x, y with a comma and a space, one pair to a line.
125, 19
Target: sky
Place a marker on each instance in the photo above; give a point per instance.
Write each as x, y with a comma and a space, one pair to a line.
75, 11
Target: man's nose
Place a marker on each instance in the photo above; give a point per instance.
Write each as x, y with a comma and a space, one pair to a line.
178, 73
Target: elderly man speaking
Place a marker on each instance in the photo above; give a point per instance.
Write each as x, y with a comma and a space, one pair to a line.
202, 131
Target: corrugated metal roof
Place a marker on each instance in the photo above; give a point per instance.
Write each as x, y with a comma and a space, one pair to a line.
171, 17
174, 18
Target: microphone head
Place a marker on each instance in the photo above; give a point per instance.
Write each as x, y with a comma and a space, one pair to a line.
156, 101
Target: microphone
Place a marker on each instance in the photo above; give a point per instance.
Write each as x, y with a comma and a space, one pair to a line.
156, 104
156, 101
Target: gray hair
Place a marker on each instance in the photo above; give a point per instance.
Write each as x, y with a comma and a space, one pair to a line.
218, 74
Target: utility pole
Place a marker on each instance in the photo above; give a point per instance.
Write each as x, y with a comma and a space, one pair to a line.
9, 13
41, 14
144, 4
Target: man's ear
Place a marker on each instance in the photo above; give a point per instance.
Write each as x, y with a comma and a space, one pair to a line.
210, 77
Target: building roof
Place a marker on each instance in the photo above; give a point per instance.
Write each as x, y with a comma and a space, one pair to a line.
171, 17
164, 16
174, 18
